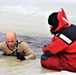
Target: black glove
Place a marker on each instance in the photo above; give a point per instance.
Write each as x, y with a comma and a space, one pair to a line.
20, 56
48, 53
44, 57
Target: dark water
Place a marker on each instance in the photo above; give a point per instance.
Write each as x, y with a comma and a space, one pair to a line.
34, 42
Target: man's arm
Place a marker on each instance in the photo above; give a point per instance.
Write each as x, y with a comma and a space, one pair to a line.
29, 52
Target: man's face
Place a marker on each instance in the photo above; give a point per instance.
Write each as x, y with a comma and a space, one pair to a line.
11, 43
51, 26
11, 40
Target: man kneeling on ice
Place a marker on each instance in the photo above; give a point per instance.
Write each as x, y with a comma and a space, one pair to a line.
13, 47
60, 54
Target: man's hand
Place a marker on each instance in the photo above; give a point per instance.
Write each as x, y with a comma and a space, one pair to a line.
46, 50
20, 56
44, 47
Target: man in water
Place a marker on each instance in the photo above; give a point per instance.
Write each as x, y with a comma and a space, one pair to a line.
13, 47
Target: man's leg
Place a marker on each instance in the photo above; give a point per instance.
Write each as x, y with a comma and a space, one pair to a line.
52, 62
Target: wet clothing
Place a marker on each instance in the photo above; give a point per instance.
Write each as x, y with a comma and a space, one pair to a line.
60, 54
22, 47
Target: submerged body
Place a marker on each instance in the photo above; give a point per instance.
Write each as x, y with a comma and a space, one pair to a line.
13, 47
